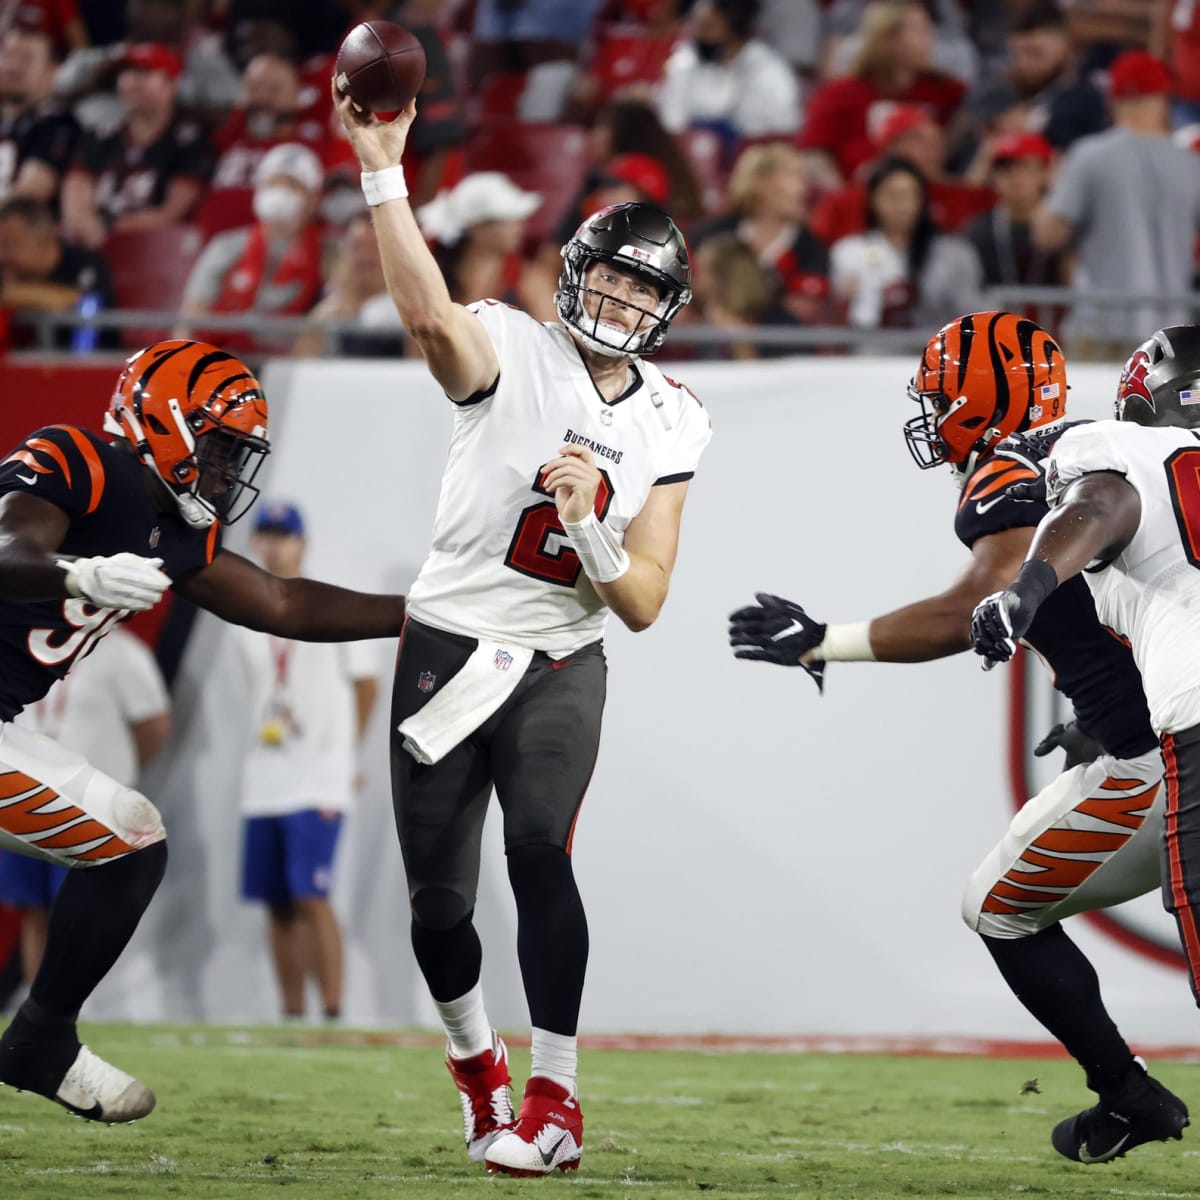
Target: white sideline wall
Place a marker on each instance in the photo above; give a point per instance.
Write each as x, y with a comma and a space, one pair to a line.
754, 858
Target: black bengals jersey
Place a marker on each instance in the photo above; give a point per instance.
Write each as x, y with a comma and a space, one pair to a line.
131, 178
1091, 666
103, 491
46, 133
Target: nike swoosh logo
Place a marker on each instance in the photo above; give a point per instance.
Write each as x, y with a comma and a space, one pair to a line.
983, 506
548, 1155
1085, 1157
794, 627
29, 479
95, 1113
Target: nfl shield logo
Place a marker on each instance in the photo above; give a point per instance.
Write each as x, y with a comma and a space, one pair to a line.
503, 660
425, 681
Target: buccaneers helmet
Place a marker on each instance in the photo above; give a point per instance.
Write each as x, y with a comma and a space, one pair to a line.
983, 377
1160, 383
197, 417
638, 238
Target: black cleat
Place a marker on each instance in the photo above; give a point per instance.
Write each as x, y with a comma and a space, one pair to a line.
1141, 1110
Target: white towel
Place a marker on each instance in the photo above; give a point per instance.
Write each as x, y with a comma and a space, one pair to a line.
486, 680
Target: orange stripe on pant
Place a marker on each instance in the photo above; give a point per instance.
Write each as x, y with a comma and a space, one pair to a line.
1184, 915
25, 819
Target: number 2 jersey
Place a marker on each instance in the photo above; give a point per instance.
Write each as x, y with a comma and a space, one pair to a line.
500, 565
1150, 593
103, 490
1091, 667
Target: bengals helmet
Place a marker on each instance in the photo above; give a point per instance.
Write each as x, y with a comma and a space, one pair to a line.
638, 238
197, 418
1160, 383
983, 377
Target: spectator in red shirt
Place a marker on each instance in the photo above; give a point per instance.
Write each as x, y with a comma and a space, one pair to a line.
269, 114
904, 131
893, 64
272, 266
37, 135
768, 196
151, 169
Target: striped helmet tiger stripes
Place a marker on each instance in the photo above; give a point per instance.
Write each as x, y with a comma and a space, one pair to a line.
196, 416
983, 377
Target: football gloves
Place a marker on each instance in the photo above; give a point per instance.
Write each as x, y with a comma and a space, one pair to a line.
1003, 618
1030, 453
777, 631
123, 581
1080, 746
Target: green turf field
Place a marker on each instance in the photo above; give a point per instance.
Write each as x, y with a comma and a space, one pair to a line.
303, 1113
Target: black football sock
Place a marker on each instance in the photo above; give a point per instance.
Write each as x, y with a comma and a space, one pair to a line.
449, 958
552, 935
94, 916
1053, 979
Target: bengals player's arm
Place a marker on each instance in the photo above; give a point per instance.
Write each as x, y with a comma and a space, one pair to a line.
237, 590
456, 346
31, 530
941, 624
1097, 518
651, 541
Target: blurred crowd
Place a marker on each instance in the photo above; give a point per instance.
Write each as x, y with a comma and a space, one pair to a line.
876, 164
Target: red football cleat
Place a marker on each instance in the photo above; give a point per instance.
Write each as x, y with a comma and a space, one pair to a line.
483, 1082
548, 1133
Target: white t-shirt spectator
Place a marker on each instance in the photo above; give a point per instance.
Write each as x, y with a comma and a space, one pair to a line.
302, 714
90, 711
755, 93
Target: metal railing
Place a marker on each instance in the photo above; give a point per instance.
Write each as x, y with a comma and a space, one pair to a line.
276, 334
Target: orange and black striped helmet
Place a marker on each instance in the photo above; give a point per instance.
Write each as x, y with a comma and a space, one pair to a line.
983, 377
197, 418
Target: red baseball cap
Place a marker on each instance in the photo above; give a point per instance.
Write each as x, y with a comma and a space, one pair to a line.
897, 119
1010, 147
1137, 73
643, 172
153, 56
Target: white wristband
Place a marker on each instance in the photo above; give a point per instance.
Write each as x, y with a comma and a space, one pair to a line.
603, 557
381, 186
846, 643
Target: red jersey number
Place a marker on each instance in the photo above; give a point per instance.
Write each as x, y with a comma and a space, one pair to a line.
540, 548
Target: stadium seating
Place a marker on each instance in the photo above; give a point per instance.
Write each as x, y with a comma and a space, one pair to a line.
548, 158
704, 150
225, 208
150, 268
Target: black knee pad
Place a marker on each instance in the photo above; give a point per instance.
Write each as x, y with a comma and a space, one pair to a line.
439, 908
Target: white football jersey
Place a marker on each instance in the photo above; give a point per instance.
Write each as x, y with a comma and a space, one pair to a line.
1150, 593
500, 566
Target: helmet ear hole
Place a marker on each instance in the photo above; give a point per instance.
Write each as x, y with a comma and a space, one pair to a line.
155, 424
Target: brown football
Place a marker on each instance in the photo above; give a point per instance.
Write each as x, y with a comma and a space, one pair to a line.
381, 66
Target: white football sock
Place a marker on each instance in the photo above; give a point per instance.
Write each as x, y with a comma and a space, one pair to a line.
555, 1057
466, 1023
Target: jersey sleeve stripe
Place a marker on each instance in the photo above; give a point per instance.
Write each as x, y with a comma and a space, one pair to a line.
27, 457
48, 448
682, 477
94, 465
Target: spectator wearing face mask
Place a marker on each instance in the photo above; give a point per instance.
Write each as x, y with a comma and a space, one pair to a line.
273, 266
723, 78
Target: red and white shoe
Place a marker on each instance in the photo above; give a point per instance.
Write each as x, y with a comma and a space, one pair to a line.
483, 1082
548, 1133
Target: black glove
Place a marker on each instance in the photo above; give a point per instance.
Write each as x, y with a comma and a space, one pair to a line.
777, 631
1027, 453
1001, 619
1080, 746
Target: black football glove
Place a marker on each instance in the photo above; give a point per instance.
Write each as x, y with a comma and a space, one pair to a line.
777, 631
1030, 454
1080, 746
1003, 618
